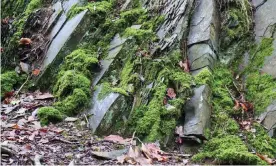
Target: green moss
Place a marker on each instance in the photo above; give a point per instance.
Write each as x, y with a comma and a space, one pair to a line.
227, 150
97, 9
261, 142
133, 14
204, 77
107, 89
49, 114
8, 80
126, 74
70, 81
74, 103
260, 90
260, 87
82, 61
140, 35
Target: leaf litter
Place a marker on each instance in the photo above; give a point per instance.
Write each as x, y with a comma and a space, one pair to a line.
25, 142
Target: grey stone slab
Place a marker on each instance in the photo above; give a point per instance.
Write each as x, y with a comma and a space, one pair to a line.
176, 13
264, 19
268, 119
205, 24
61, 38
100, 107
201, 55
198, 112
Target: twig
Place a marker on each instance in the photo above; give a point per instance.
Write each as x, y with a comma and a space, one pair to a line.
22, 85
37, 159
233, 98
65, 141
131, 143
87, 122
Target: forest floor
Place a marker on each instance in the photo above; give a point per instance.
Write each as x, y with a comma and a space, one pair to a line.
25, 142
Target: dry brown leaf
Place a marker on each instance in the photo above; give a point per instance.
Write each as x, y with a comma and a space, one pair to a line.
170, 93
44, 96
36, 72
265, 158
117, 139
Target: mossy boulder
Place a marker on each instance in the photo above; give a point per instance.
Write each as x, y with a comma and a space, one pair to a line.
227, 150
81, 60
49, 114
69, 81
74, 103
8, 80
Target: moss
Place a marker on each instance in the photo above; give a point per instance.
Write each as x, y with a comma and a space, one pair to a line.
260, 86
49, 114
204, 77
70, 81
152, 23
261, 142
140, 35
126, 75
260, 90
97, 9
133, 14
227, 150
74, 103
107, 89
8, 80
81, 60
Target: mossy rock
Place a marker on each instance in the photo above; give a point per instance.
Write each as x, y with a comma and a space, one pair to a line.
8, 80
49, 114
227, 150
81, 60
69, 81
74, 103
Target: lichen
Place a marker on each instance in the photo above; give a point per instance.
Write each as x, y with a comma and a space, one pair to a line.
68, 82
49, 114
74, 103
227, 150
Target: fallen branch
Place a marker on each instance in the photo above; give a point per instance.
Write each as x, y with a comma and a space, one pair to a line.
65, 141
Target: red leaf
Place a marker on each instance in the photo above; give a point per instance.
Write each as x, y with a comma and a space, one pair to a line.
170, 93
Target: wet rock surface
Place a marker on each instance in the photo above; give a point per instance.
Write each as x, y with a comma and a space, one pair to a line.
198, 113
204, 29
268, 119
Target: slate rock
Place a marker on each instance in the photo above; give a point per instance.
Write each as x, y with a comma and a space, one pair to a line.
198, 112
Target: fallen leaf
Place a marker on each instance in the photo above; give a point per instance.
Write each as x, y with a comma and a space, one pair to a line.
36, 72
31, 137
44, 96
70, 119
170, 93
117, 139
25, 67
265, 158
185, 65
21, 111
22, 122
237, 105
36, 125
